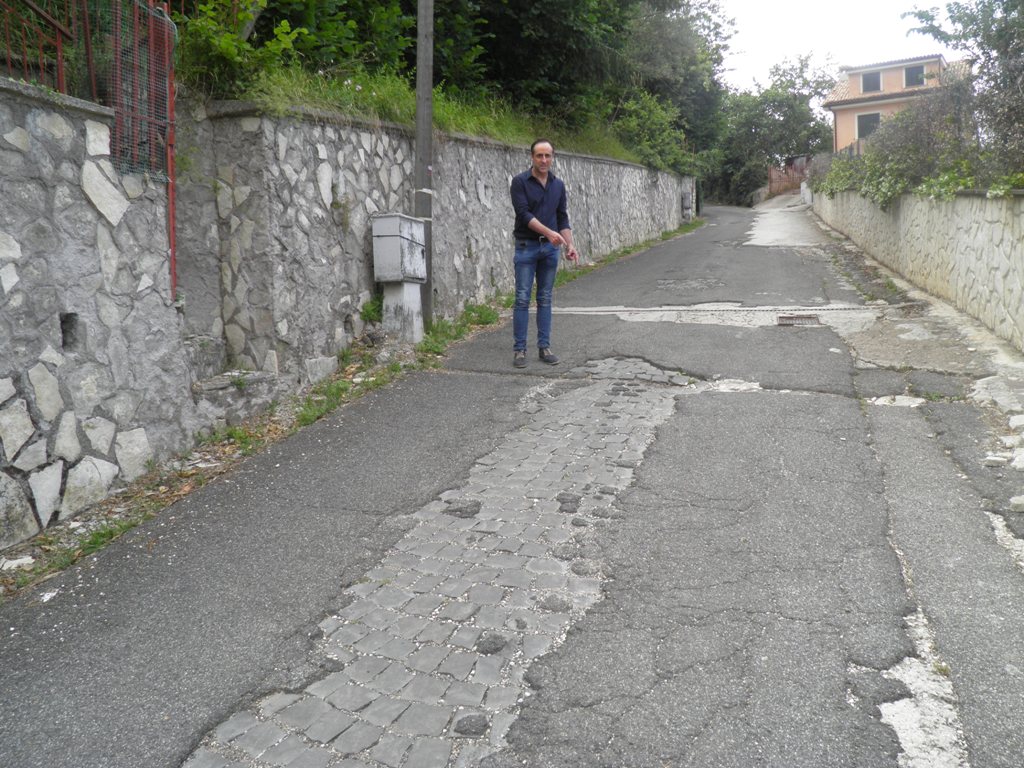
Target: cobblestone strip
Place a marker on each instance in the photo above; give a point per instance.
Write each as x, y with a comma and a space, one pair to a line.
437, 638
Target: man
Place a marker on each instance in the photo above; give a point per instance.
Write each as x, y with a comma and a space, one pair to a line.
540, 231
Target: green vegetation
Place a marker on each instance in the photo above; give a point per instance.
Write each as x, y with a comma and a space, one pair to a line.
638, 80
967, 134
373, 310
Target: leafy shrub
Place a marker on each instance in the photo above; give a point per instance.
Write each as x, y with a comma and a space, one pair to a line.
215, 54
648, 127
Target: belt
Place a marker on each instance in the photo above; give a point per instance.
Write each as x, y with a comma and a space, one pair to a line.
533, 238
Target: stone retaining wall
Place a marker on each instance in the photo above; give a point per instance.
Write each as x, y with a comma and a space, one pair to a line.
968, 251
93, 380
294, 197
101, 371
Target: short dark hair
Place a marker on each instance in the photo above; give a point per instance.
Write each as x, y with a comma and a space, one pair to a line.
541, 141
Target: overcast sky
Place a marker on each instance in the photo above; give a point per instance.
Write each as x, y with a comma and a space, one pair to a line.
865, 32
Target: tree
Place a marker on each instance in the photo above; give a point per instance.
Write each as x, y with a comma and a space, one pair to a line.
676, 51
991, 35
765, 128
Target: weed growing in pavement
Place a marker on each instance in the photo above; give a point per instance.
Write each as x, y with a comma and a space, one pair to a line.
373, 310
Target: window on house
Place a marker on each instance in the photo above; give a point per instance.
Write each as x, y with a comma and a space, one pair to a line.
866, 124
913, 76
871, 82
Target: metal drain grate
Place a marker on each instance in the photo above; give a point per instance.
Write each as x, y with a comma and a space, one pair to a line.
798, 320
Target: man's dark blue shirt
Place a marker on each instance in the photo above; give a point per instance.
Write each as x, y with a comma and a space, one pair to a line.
531, 199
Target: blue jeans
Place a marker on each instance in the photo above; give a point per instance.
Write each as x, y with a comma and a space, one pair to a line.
534, 261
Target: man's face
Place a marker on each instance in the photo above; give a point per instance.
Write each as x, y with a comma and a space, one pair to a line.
543, 155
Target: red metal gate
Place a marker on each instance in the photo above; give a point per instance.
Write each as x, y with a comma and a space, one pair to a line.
119, 53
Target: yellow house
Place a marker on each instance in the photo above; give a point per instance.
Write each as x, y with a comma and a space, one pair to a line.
865, 95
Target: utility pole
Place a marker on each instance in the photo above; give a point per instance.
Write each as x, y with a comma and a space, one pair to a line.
423, 202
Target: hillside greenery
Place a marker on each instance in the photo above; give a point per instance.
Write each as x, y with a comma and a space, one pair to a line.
639, 80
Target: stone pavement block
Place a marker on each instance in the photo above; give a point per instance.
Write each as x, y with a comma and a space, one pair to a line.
355, 610
459, 611
429, 753
455, 587
384, 711
391, 749
483, 574
357, 738
534, 550
350, 633
366, 668
311, 759
514, 578
285, 752
235, 726
428, 548
384, 572
488, 670
304, 713
436, 632
424, 719
276, 702
485, 594
424, 605
329, 726
464, 694
327, 686
379, 618
428, 658
427, 584
501, 697
492, 618
500, 724
551, 581
373, 641
541, 565
535, 646
503, 561
340, 651
258, 740
352, 698
465, 637
397, 649
424, 688
458, 664
409, 626
393, 679
532, 532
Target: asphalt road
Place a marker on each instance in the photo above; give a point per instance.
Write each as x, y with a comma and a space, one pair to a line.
794, 574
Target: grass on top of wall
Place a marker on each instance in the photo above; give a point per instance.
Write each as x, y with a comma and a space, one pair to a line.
391, 98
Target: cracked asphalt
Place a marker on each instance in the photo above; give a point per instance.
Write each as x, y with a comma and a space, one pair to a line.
702, 540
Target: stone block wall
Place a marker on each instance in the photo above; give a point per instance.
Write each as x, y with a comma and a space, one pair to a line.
93, 380
968, 251
102, 371
294, 197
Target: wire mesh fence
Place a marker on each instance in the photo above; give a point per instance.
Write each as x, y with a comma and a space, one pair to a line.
118, 53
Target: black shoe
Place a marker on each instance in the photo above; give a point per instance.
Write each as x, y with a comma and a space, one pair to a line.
519, 358
547, 356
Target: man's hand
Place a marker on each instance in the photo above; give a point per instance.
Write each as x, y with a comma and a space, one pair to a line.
572, 254
556, 239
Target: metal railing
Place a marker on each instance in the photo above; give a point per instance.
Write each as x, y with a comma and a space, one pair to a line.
118, 53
